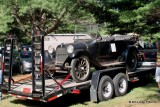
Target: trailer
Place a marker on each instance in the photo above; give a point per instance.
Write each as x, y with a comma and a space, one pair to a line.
42, 86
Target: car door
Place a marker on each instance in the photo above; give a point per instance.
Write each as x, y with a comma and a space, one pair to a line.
106, 52
111, 50
120, 47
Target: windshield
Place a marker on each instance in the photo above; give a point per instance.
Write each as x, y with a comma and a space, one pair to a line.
82, 37
26, 55
83, 31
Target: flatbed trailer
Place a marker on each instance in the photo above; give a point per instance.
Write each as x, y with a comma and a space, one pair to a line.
23, 89
41, 86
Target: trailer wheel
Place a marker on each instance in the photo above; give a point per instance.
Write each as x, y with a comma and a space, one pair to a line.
105, 88
121, 84
80, 69
132, 61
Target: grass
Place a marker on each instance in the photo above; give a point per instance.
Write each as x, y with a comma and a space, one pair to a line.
139, 95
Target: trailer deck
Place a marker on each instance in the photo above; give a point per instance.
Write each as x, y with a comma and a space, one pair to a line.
23, 89
50, 84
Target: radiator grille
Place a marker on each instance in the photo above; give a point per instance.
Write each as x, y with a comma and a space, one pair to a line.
61, 55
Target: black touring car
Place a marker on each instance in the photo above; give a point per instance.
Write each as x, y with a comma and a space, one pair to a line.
99, 52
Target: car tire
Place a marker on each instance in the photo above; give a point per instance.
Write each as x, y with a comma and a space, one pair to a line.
132, 61
105, 88
120, 84
80, 69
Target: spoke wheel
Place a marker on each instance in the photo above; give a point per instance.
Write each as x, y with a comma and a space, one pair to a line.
80, 69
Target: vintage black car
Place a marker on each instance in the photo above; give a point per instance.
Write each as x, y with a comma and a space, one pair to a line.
100, 53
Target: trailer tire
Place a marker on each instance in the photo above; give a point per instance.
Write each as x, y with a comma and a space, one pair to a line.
105, 88
120, 84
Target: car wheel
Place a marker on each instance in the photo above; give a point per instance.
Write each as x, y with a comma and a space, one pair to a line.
105, 88
120, 84
80, 69
21, 69
132, 61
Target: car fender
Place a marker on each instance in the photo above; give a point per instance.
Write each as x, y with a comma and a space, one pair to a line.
78, 53
81, 52
127, 50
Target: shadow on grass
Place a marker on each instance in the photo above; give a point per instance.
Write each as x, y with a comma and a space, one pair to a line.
148, 86
153, 97
145, 83
64, 101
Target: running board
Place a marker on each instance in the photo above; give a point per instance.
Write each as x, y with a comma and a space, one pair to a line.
112, 64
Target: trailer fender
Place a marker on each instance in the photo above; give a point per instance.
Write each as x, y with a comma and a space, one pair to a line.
94, 86
96, 76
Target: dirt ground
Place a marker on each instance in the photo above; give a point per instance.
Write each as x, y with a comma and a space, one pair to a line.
20, 77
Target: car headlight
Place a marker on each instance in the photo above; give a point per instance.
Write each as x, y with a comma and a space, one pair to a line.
70, 49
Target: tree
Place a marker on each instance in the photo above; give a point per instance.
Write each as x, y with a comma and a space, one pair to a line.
123, 16
115, 16
47, 16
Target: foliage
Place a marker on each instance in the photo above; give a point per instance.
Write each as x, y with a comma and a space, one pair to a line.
24, 15
124, 16
61, 16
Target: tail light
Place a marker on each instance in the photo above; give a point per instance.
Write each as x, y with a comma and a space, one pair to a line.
75, 91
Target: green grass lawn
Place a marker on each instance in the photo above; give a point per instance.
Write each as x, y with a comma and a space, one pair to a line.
138, 94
